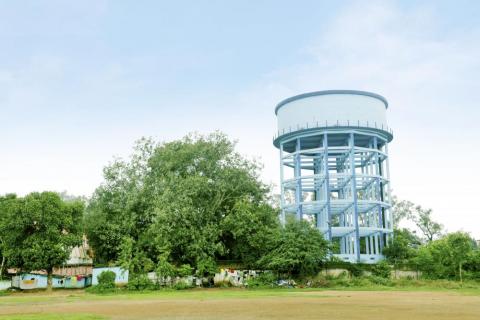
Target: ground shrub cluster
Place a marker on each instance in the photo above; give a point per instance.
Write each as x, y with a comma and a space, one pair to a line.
372, 281
141, 282
264, 280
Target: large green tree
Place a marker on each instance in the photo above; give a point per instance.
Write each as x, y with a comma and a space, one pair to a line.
118, 213
403, 247
40, 230
421, 217
472, 265
250, 231
297, 250
171, 203
445, 257
5, 203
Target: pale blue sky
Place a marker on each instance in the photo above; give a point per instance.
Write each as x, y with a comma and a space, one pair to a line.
81, 80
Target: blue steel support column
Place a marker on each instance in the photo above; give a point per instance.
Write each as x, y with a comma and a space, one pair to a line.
282, 189
327, 185
317, 182
354, 195
378, 195
389, 190
298, 176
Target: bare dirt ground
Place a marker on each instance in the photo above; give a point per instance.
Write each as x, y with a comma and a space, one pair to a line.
295, 305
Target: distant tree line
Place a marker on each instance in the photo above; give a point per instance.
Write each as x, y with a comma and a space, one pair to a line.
439, 255
173, 208
181, 207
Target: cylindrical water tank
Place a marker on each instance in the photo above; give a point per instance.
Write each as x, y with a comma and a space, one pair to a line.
334, 168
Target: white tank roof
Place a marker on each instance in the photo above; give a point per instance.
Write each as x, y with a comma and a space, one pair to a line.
332, 108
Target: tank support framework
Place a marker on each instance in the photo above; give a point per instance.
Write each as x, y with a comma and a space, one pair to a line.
340, 181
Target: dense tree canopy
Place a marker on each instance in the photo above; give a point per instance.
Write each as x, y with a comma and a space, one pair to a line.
5, 203
298, 250
446, 257
176, 201
403, 247
39, 230
437, 255
250, 232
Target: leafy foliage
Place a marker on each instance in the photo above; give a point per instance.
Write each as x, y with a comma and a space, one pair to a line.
298, 250
171, 205
420, 216
263, 280
444, 258
106, 280
382, 270
39, 230
403, 247
118, 212
5, 206
472, 265
140, 282
250, 231
355, 269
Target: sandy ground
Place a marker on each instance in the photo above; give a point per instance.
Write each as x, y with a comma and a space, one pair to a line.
300, 305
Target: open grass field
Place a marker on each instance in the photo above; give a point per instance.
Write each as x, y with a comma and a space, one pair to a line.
245, 304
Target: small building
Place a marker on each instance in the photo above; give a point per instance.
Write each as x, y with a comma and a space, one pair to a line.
5, 284
34, 280
75, 273
80, 263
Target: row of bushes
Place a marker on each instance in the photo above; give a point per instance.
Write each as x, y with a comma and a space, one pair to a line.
356, 275
382, 269
140, 282
348, 280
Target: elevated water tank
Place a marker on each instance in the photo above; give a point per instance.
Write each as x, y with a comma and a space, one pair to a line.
334, 168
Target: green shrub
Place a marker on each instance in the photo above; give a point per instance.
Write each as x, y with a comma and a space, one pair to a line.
223, 284
140, 282
382, 270
320, 282
265, 279
341, 282
184, 270
355, 270
100, 290
181, 285
378, 280
360, 282
106, 280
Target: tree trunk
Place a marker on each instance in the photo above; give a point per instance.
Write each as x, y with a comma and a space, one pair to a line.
395, 268
49, 281
460, 272
2, 266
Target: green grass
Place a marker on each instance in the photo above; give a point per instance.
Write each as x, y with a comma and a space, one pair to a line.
235, 293
52, 317
194, 294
